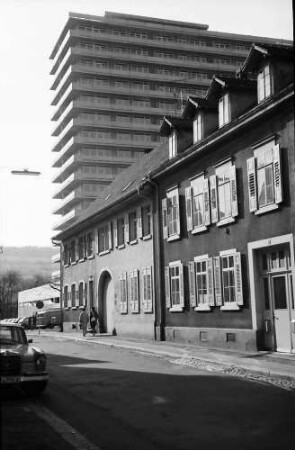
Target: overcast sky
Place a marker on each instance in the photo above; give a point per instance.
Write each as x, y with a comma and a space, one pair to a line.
28, 31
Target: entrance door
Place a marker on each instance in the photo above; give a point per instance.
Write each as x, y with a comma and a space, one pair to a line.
106, 304
281, 312
277, 294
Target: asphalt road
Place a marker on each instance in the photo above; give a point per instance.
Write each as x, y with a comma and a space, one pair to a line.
114, 399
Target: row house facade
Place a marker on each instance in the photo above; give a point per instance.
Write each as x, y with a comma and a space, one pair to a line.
219, 261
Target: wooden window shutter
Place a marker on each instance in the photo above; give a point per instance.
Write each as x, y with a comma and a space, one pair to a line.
110, 235
139, 222
189, 208
126, 228
143, 288
85, 246
131, 291
206, 202
192, 283
217, 281
210, 282
177, 214
115, 233
252, 184
238, 279
136, 301
277, 174
164, 217
77, 250
234, 193
77, 297
167, 287
149, 305
181, 285
213, 199
96, 238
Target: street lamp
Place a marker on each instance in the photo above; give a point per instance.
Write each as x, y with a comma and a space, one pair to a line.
25, 172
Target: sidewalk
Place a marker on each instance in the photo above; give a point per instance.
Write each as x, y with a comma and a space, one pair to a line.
269, 367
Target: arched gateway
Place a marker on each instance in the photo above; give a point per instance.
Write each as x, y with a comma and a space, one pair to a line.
106, 302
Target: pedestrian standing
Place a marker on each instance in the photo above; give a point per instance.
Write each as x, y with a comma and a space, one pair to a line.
93, 319
83, 320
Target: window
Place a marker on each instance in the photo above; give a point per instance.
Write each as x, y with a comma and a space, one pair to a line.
228, 280
81, 247
73, 251
104, 235
133, 291
264, 83
132, 226
147, 292
146, 220
66, 297
170, 215
123, 293
198, 125
201, 287
89, 244
174, 289
120, 232
197, 205
265, 178
223, 110
223, 193
173, 144
66, 255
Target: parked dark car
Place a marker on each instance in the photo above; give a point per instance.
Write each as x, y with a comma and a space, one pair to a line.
21, 364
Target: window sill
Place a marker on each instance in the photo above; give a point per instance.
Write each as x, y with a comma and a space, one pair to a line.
74, 308
121, 246
225, 221
175, 237
148, 311
134, 312
81, 260
203, 308
266, 209
147, 237
200, 229
73, 263
135, 241
66, 265
82, 307
105, 252
230, 307
67, 308
90, 257
176, 309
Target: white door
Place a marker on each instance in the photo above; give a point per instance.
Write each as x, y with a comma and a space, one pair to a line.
109, 322
281, 312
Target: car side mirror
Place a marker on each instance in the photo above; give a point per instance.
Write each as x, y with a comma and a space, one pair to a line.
30, 341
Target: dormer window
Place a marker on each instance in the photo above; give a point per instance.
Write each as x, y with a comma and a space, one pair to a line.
172, 144
223, 110
264, 83
198, 127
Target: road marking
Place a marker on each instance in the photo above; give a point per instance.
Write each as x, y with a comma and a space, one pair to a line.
68, 433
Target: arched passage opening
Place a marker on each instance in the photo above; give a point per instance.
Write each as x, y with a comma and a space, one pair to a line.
106, 303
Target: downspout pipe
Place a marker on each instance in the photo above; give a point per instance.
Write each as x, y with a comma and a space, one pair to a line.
60, 245
158, 260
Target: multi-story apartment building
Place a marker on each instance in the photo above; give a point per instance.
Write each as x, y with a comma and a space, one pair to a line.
194, 242
114, 78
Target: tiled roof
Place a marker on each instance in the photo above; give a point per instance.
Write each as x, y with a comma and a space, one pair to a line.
126, 183
170, 122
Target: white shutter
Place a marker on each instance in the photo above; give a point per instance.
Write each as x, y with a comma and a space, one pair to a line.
277, 174
164, 217
252, 184
177, 214
234, 193
213, 199
189, 209
126, 228
139, 222
238, 279
217, 280
181, 285
136, 293
167, 287
96, 240
192, 283
124, 287
115, 233
206, 202
210, 282
110, 234
143, 288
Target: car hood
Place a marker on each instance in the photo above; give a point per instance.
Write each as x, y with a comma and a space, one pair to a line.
25, 351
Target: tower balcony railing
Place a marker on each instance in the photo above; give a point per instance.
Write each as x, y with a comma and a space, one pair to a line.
65, 220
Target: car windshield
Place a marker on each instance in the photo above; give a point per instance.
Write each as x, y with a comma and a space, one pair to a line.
12, 335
